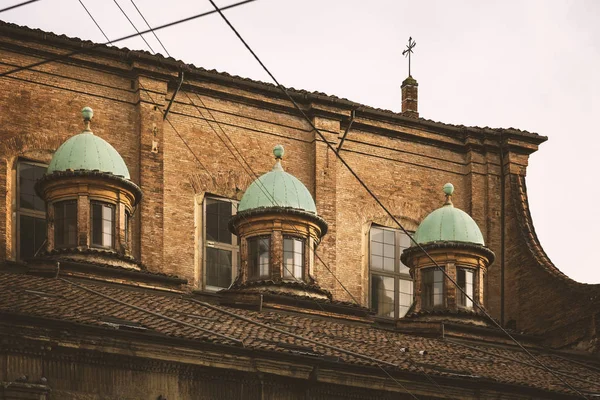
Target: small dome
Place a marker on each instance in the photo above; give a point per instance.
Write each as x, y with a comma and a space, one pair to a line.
87, 151
277, 188
449, 224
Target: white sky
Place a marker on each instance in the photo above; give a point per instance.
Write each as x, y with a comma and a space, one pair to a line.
531, 65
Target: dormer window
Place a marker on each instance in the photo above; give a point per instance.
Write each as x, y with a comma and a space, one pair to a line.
103, 224
433, 288
259, 250
293, 258
465, 278
65, 224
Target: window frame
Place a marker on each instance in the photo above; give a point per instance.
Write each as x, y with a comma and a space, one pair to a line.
62, 203
396, 274
430, 304
234, 247
291, 276
459, 295
269, 271
28, 212
113, 235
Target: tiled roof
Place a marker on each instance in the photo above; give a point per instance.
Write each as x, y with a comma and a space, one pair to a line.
88, 303
170, 61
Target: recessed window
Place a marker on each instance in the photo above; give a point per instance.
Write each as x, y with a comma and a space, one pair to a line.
433, 287
220, 246
259, 250
293, 258
465, 279
31, 211
65, 224
127, 223
391, 284
103, 224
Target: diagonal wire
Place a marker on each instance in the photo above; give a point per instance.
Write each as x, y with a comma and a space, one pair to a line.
18, 5
286, 93
94, 46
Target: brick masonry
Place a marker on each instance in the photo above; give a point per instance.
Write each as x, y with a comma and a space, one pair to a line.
405, 161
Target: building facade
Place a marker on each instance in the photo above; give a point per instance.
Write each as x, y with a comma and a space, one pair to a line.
149, 269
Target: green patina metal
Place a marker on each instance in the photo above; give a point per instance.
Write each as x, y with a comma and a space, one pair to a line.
88, 152
277, 188
449, 224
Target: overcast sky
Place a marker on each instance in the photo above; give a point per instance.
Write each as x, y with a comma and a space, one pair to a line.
532, 65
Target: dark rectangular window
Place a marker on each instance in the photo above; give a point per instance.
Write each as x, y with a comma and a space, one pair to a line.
31, 211
293, 258
465, 279
220, 245
391, 283
103, 224
218, 214
259, 254
65, 224
433, 287
218, 267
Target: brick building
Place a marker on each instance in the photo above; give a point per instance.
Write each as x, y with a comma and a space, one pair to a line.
167, 302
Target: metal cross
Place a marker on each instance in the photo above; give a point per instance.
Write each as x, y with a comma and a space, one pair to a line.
408, 51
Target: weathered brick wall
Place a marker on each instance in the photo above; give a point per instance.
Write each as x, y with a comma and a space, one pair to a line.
403, 161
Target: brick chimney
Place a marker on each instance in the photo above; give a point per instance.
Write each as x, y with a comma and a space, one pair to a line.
410, 89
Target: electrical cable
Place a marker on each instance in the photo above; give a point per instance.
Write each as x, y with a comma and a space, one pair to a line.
94, 46
18, 5
286, 93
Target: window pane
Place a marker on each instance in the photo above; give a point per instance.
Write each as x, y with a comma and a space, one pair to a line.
388, 250
376, 262
26, 237
258, 257
389, 237
382, 295
218, 214
28, 176
377, 235
433, 287
103, 224
465, 280
406, 295
65, 224
218, 267
377, 248
388, 264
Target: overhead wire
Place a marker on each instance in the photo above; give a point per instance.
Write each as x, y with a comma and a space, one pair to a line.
83, 50
18, 5
253, 174
363, 184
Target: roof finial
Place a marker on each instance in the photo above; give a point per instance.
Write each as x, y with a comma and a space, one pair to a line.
87, 114
448, 190
278, 153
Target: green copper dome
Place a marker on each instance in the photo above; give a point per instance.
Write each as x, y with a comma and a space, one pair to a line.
277, 188
449, 224
87, 151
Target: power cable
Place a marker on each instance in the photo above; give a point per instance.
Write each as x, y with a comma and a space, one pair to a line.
94, 46
247, 165
286, 93
18, 5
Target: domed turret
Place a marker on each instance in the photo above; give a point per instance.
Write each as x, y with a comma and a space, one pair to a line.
449, 223
451, 250
278, 227
279, 189
90, 199
88, 152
